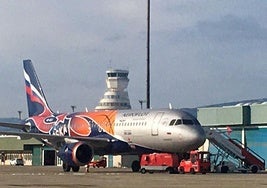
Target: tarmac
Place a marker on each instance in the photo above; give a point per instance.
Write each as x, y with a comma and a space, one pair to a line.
52, 176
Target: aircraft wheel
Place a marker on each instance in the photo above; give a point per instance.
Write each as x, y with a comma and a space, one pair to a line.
203, 171
181, 170
143, 171
75, 168
192, 171
224, 169
170, 170
66, 167
254, 169
136, 166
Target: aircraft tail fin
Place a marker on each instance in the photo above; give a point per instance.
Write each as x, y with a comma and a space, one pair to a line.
37, 104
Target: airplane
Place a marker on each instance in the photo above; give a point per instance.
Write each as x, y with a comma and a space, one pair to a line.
78, 136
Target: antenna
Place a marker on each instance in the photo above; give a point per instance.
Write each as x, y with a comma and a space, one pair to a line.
109, 63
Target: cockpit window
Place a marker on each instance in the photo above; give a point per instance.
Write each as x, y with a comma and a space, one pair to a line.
172, 122
178, 122
188, 122
196, 122
181, 121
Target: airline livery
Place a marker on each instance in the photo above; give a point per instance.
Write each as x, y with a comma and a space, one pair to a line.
77, 137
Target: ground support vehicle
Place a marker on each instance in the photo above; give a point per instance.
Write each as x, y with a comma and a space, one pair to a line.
199, 162
161, 162
102, 162
233, 151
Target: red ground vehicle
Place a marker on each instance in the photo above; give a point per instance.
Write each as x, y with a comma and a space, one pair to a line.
102, 162
159, 162
199, 161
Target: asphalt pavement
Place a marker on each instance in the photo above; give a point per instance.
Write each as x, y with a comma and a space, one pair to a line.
52, 176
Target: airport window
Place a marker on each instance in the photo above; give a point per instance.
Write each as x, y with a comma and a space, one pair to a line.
172, 122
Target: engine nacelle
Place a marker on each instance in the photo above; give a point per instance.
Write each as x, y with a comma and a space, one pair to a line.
76, 154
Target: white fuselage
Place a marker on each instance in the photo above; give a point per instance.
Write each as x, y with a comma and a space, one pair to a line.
153, 129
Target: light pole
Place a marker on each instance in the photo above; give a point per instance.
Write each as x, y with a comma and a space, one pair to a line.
148, 56
73, 107
19, 111
141, 103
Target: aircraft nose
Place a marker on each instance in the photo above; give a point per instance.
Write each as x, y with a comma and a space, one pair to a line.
196, 137
200, 136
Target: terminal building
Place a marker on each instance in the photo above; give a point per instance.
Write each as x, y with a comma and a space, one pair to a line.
247, 123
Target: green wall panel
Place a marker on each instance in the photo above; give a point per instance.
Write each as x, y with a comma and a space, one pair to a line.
220, 116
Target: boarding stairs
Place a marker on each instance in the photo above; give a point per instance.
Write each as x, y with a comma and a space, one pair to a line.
235, 149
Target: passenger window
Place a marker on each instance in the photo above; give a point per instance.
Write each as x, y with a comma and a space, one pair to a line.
178, 122
172, 122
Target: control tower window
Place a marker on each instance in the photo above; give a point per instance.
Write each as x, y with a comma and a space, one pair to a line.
122, 74
112, 74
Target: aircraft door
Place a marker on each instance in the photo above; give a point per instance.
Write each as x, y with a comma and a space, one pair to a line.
155, 124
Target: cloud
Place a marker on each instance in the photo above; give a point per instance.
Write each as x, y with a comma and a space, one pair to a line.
213, 59
202, 52
231, 29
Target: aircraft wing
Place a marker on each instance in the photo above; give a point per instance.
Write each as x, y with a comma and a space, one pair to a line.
13, 125
55, 140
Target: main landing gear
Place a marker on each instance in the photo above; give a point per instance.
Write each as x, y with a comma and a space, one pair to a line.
67, 168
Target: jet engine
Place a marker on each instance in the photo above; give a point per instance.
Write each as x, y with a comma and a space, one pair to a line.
76, 154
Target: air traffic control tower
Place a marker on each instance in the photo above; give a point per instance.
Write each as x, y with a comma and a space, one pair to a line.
116, 96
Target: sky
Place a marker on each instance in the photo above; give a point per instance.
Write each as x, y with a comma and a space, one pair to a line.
201, 52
